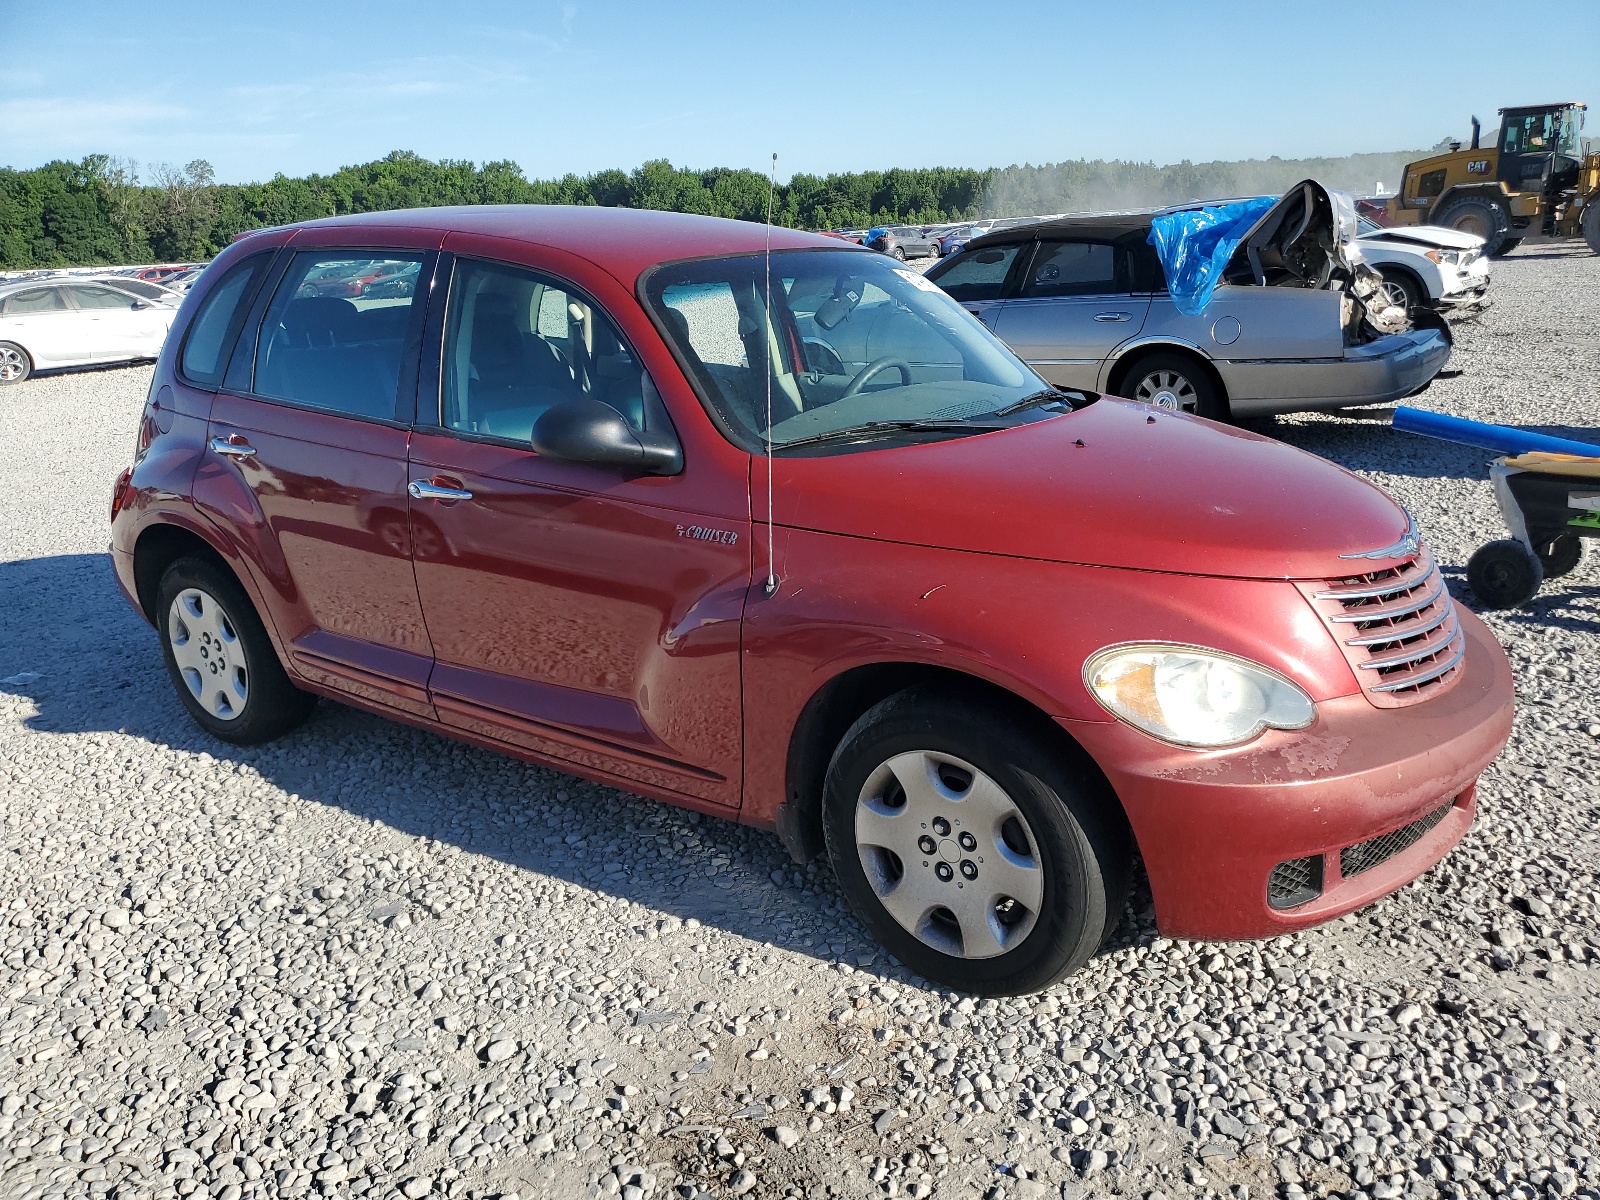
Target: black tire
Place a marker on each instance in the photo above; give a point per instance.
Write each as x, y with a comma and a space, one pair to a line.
1504, 574
1409, 288
1561, 555
1507, 246
899, 253
1477, 215
1074, 835
1591, 225
15, 363
270, 705
1198, 395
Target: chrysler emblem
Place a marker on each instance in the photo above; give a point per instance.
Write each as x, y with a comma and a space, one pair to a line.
1406, 547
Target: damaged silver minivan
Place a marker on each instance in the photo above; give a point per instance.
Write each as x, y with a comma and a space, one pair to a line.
1297, 319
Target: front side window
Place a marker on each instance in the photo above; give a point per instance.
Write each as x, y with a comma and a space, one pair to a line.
978, 274
35, 300
851, 339
518, 343
88, 296
325, 344
1072, 269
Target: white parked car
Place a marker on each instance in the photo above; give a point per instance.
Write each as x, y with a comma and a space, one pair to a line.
73, 323
1428, 267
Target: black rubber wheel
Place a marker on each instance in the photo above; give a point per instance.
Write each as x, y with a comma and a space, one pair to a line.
219, 656
1591, 225
1504, 574
1561, 555
15, 363
1036, 826
1402, 286
1176, 382
1480, 216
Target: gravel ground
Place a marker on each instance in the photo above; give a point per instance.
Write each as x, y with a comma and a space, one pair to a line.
368, 961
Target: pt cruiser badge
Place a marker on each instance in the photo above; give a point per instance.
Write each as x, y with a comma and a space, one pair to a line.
701, 534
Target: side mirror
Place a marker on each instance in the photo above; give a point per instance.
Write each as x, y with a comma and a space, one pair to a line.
588, 431
137, 304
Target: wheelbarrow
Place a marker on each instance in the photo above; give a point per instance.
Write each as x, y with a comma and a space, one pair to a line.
1548, 490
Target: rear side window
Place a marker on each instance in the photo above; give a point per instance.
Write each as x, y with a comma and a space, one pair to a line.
222, 312
1072, 269
327, 343
978, 275
100, 297
517, 343
36, 300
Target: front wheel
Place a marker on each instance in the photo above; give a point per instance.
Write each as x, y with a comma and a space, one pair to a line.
1400, 290
978, 857
1478, 216
1591, 226
221, 661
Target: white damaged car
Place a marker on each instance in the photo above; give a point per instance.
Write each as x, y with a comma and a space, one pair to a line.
1428, 267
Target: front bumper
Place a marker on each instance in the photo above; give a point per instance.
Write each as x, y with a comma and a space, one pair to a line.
1212, 826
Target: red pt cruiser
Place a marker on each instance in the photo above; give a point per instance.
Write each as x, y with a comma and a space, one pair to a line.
979, 639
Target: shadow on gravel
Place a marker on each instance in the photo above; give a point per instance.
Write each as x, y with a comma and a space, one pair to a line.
99, 670
1371, 445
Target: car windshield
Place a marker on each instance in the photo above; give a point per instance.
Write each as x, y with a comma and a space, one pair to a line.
854, 339
1367, 227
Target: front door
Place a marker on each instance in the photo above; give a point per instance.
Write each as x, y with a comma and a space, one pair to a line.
40, 320
580, 612
308, 447
1073, 306
977, 278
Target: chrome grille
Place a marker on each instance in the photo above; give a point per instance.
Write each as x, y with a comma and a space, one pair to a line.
1397, 628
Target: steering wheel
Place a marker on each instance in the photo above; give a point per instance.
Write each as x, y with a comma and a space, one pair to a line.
875, 367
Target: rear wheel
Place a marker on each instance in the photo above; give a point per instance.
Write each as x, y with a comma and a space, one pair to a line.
1479, 216
1561, 555
1591, 225
899, 253
15, 365
1504, 574
1177, 383
219, 656
976, 856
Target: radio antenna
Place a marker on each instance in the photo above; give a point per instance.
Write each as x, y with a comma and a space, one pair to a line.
772, 551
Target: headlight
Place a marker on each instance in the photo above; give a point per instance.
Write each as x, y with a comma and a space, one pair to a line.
1449, 258
1190, 696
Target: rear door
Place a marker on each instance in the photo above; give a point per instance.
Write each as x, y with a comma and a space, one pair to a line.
120, 325
308, 440
1074, 304
43, 323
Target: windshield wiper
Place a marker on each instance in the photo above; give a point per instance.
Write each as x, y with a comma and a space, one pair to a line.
1035, 400
871, 428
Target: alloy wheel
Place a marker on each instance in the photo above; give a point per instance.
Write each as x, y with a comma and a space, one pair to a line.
949, 854
1395, 295
1167, 389
12, 364
209, 655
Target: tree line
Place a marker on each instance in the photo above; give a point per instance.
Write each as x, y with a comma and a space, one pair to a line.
103, 210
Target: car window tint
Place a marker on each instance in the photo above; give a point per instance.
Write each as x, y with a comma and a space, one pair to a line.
87, 296
518, 343
35, 300
217, 323
980, 274
1072, 269
326, 343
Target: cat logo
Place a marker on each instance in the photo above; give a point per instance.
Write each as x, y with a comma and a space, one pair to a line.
1478, 166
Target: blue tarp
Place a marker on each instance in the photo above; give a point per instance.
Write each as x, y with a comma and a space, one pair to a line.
1195, 245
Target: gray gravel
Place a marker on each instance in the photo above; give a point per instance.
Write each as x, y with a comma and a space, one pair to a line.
367, 961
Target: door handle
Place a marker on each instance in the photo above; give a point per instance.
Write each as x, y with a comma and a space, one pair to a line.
419, 489
233, 447
1111, 317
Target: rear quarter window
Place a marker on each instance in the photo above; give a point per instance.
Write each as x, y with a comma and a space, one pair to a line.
216, 325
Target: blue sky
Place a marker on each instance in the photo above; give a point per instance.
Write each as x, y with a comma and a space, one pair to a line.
576, 85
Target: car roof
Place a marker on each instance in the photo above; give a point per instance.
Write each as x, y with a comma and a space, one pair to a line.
625, 241
1107, 226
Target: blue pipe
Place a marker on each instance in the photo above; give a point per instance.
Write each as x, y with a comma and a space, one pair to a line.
1502, 439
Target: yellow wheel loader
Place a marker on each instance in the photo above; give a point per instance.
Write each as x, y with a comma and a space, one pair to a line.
1534, 184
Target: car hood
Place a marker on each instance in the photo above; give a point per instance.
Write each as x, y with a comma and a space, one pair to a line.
1115, 484
1426, 235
